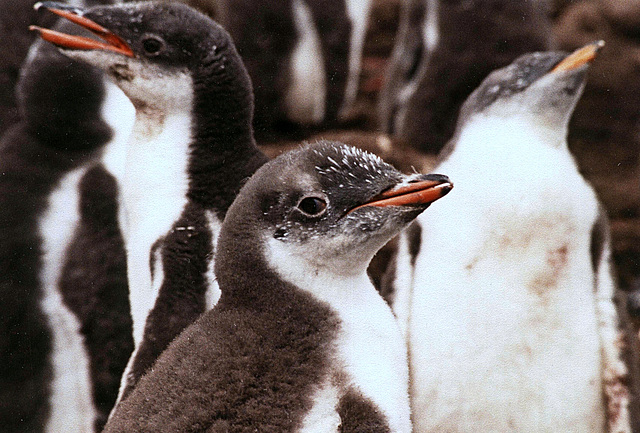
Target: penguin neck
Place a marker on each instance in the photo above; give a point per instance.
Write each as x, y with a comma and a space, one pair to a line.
499, 135
329, 282
224, 154
245, 254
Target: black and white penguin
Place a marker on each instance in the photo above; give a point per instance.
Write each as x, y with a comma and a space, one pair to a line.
303, 56
444, 49
85, 249
66, 123
300, 339
506, 296
191, 149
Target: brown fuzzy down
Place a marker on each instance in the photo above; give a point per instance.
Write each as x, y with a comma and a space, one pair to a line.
235, 370
94, 286
359, 415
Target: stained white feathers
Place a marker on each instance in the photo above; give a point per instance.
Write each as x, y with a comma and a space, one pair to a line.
506, 329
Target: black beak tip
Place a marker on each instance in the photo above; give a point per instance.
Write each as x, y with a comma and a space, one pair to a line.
447, 188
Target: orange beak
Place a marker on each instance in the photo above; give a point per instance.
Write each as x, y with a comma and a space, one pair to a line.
416, 193
111, 42
580, 57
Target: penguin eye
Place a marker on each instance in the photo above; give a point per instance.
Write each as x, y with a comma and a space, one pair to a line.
312, 206
153, 45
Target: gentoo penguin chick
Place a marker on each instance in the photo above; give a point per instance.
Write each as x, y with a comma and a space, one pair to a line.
303, 56
443, 51
300, 340
45, 379
85, 263
191, 149
509, 312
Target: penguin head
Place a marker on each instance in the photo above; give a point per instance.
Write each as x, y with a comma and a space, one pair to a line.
61, 99
155, 52
544, 86
329, 205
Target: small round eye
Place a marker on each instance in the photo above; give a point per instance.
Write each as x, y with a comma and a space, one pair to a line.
153, 45
312, 206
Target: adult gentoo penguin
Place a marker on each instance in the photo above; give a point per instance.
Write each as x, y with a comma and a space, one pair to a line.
191, 149
303, 56
509, 312
444, 49
300, 340
45, 373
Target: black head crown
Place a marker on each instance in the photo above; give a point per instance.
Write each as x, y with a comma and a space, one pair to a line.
170, 34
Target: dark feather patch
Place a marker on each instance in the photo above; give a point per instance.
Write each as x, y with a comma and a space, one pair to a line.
359, 415
236, 369
94, 286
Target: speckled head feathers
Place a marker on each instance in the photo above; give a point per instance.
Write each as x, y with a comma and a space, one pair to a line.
327, 196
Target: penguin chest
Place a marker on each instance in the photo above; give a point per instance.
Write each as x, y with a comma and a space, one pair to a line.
371, 356
509, 328
368, 367
155, 194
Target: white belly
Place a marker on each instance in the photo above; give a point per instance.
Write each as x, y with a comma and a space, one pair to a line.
507, 341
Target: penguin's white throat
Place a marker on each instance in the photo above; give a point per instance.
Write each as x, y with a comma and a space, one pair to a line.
326, 258
156, 184
499, 133
157, 95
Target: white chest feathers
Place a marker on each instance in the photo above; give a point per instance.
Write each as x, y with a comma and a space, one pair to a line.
156, 182
503, 325
369, 351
